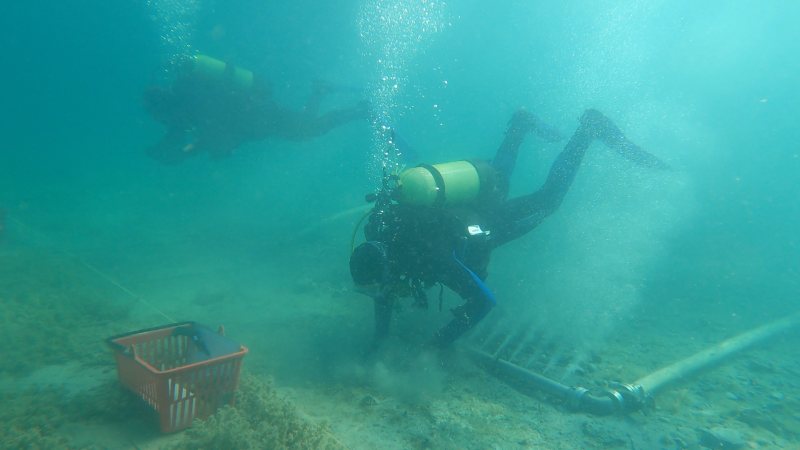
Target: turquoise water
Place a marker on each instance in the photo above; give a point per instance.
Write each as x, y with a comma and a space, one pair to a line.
636, 270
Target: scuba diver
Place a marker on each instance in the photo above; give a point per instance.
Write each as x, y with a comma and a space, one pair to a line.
214, 107
439, 223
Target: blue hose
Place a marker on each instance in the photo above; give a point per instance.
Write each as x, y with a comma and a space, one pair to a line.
487, 293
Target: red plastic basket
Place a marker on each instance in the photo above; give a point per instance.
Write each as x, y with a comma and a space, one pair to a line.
161, 366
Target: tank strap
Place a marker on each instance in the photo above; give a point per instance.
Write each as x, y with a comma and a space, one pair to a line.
230, 71
439, 180
487, 175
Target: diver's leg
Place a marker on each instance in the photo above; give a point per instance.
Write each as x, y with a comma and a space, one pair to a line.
520, 215
308, 127
505, 159
319, 90
479, 301
465, 318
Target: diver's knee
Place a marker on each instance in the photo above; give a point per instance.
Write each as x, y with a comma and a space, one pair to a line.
592, 118
601, 127
522, 120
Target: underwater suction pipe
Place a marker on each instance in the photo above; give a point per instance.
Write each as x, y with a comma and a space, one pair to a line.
661, 378
577, 397
622, 398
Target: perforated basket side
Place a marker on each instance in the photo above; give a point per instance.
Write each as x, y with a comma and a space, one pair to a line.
153, 364
198, 391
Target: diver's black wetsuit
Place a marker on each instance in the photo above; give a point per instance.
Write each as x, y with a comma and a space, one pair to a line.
426, 245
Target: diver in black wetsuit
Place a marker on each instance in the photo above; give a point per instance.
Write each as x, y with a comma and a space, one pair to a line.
414, 242
214, 107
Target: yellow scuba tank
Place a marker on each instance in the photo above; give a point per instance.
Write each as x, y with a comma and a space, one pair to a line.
213, 68
451, 183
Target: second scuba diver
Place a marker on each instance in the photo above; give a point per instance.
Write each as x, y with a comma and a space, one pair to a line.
214, 107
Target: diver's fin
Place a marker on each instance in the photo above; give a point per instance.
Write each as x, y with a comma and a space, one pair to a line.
603, 129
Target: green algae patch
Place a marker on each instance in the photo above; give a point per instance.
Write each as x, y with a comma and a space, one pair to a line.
260, 419
39, 417
31, 419
53, 311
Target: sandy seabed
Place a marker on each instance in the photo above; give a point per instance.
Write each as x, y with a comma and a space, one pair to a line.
307, 382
